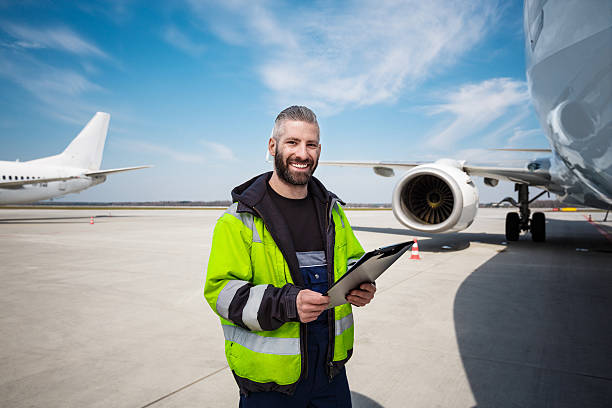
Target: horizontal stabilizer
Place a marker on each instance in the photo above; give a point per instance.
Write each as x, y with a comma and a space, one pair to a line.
109, 171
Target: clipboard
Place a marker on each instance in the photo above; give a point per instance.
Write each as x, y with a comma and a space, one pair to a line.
369, 267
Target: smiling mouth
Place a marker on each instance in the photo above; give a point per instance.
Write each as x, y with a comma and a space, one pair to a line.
299, 165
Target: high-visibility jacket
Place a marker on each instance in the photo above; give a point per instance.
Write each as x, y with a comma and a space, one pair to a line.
253, 279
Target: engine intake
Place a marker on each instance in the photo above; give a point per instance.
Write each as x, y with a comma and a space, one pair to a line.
437, 197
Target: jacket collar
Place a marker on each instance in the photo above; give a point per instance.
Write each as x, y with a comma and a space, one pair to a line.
251, 193
252, 196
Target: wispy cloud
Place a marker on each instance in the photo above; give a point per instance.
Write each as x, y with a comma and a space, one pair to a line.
521, 135
138, 145
220, 151
118, 11
475, 106
178, 39
361, 53
58, 38
63, 83
41, 79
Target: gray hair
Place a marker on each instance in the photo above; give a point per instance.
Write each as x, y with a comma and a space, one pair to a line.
297, 113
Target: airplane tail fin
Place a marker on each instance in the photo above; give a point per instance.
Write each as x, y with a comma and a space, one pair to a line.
85, 150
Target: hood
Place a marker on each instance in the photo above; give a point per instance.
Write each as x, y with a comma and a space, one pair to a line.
251, 192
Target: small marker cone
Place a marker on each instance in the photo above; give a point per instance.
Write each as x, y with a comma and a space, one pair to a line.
91, 221
415, 250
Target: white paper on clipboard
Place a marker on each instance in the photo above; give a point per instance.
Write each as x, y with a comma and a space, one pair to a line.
367, 269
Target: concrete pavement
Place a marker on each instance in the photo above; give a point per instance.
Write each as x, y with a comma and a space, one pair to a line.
111, 314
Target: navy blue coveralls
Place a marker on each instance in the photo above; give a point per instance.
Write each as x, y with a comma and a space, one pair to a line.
315, 390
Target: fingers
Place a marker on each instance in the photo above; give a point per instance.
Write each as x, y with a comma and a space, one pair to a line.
310, 305
363, 295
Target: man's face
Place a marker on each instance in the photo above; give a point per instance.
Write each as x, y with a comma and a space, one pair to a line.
296, 154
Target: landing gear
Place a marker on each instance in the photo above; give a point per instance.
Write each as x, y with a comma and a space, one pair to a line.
512, 226
538, 227
517, 222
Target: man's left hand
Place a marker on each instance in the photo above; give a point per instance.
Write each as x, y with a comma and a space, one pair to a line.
363, 295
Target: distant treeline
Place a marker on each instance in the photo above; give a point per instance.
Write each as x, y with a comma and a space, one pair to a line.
217, 203
227, 203
535, 204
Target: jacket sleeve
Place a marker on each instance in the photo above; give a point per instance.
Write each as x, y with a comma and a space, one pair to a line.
229, 289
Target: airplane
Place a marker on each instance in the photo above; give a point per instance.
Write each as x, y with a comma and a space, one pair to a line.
569, 72
75, 169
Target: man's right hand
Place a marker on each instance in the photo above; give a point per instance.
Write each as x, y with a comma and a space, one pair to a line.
310, 305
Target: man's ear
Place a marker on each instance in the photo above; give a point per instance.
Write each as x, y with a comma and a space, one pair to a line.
272, 146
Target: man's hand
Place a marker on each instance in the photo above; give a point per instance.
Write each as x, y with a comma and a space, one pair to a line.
363, 295
310, 305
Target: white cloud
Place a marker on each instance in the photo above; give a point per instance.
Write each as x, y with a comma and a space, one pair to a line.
58, 38
360, 53
176, 155
476, 106
176, 38
43, 80
214, 151
521, 135
220, 151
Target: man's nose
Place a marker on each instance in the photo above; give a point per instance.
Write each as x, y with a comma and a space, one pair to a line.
301, 151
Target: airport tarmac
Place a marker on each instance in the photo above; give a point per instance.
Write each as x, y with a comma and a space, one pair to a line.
112, 314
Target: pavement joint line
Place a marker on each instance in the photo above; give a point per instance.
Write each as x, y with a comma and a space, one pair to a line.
184, 387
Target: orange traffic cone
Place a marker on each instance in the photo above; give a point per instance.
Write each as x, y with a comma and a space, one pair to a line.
91, 221
415, 250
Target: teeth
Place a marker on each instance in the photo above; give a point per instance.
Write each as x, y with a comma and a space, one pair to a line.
299, 166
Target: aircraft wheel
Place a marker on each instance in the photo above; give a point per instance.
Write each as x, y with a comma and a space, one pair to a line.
512, 226
538, 227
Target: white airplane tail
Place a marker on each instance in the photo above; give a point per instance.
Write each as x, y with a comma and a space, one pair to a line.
85, 150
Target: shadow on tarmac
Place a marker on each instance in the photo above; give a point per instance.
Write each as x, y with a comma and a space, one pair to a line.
454, 241
56, 220
361, 401
533, 323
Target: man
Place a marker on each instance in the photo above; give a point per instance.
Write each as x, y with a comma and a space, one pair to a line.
275, 251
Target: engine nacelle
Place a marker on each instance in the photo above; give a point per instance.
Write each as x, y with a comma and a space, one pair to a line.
437, 197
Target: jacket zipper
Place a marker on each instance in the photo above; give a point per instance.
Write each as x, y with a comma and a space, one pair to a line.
330, 280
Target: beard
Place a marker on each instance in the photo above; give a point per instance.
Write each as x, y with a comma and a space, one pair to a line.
284, 171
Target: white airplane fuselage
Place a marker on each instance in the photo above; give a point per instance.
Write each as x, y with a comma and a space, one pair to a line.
43, 190
73, 170
569, 71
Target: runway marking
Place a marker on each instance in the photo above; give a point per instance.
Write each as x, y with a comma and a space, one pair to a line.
185, 387
601, 230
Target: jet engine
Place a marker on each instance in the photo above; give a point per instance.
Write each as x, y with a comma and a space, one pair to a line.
437, 197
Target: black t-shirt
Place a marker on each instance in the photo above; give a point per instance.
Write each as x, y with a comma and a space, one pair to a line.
301, 217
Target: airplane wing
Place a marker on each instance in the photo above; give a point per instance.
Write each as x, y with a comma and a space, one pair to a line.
19, 183
109, 171
384, 169
536, 177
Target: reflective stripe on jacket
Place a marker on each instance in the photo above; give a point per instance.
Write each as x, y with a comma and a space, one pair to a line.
252, 282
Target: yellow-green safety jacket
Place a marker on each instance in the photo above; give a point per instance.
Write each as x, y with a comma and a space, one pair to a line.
253, 279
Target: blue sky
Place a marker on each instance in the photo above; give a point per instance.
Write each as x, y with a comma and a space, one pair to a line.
193, 87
